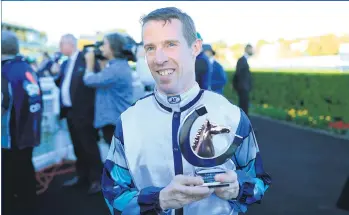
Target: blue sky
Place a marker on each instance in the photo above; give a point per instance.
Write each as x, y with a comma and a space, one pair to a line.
232, 22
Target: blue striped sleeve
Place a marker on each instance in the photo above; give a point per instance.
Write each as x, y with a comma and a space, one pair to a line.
253, 180
119, 191
117, 185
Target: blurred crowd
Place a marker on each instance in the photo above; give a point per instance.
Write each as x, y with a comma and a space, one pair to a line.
96, 85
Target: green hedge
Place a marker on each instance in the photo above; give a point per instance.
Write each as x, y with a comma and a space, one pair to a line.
321, 94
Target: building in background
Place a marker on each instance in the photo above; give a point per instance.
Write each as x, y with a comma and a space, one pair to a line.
32, 42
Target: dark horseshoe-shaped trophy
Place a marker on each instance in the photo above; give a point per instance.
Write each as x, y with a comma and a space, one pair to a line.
207, 145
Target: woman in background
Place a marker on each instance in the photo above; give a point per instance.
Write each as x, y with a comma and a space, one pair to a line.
114, 91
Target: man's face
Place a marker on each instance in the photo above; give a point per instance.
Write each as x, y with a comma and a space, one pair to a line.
65, 47
208, 54
106, 50
249, 51
170, 59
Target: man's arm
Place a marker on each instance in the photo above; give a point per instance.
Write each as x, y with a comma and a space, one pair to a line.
119, 190
5, 94
57, 72
253, 180
223, 74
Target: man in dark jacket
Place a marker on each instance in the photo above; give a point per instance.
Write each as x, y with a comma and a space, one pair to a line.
219, 77
203, 69
242, 81
21, 128
78, 106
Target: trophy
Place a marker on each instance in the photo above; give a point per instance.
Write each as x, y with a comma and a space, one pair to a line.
207, 142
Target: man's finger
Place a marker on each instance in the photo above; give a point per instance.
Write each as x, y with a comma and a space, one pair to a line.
230, 188
189, 180
194, 190
228, 177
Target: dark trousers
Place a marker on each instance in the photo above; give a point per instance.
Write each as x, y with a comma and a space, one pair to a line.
244, 100
18, 182
108, 132
84, 138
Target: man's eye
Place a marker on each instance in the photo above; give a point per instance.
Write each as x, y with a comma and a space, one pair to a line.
149, 49
171, 44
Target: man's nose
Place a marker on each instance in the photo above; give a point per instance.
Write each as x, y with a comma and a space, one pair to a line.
160, 57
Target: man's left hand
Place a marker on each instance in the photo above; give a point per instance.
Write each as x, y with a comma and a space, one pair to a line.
231, 191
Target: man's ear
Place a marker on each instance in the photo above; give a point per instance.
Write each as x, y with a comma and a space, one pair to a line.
197, 47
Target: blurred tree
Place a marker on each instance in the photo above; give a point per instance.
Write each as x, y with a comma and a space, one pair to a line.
314, 46
285, 47
344, 38
260, 43
329, 44
219, 45
238, 50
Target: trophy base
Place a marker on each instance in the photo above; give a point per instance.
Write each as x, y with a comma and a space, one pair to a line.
208, 177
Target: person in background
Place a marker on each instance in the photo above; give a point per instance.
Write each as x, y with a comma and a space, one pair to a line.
219, 77
203, 69
242, 80
21, 114
143, 70
77, 106
113, 84
45, 65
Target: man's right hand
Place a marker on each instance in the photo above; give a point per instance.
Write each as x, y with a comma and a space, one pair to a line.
183, 190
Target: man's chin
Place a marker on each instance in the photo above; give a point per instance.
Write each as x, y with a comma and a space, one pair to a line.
167, 89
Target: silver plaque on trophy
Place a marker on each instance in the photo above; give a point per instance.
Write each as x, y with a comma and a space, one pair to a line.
206, 142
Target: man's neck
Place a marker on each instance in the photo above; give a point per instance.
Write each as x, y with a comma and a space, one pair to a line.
180, 92
72, 53
176, 101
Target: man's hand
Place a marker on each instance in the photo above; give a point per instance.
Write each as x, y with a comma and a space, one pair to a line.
230, 192
183, 190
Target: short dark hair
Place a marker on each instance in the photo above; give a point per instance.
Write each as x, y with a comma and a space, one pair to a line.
116, 41
9, 43
168, 13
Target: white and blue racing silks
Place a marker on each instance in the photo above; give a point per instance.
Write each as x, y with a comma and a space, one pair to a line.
144, 156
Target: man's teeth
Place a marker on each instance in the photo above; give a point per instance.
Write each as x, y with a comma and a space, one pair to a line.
166, 72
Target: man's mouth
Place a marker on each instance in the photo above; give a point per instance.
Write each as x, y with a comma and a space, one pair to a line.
165, 72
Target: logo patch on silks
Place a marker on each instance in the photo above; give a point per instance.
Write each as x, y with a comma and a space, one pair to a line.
174, 99
207, 141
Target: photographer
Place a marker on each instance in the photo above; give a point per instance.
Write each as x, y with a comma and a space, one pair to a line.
114, 91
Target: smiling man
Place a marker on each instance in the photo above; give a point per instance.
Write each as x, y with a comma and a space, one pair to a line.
145, 172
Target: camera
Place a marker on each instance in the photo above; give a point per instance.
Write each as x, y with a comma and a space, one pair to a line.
128, 49
96, 49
